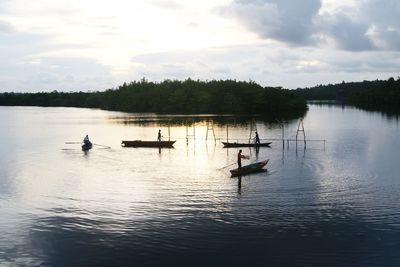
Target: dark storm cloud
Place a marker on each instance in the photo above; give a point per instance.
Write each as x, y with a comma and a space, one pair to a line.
284, 20
383, 16
369, 25
389, 37
348, 34
382, 12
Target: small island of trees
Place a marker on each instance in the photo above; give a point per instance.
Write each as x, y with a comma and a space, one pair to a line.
175, 97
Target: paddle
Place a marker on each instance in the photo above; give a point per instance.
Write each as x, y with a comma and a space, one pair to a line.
227, 166
101, 145
70, 143
244, 157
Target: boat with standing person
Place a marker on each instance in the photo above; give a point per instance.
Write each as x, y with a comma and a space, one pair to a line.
251, 168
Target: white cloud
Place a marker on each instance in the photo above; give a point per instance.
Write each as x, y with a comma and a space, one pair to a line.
44, 74
269, 64
98, 44
5, 27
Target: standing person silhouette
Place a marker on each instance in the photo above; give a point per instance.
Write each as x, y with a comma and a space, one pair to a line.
257, 139
159, 136
239, 159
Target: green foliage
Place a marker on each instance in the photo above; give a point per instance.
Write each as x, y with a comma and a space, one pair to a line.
372, 95
188, 96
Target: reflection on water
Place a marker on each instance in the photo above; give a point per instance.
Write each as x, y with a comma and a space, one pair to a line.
390, 112
332, 205
146, 119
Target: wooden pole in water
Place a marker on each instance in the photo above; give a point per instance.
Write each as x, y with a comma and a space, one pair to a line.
283, 132
207, 130
253, 126
300, 128
283, 135
227, 139
169, 133
210, 128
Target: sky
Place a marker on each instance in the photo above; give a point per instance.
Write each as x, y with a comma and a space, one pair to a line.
88, 45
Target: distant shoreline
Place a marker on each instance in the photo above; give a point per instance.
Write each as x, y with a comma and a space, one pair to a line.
378, 95
219, 97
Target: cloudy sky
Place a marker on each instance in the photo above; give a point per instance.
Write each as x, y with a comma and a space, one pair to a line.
71, 45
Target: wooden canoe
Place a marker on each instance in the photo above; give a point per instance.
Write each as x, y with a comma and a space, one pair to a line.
251, 168
140, 143
227, 144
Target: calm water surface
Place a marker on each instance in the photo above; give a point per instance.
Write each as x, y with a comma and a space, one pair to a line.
329, 205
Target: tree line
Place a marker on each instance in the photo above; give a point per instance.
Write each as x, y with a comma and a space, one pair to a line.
383, 95
175, 97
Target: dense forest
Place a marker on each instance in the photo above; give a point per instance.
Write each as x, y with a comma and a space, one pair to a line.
381, 95
173, 96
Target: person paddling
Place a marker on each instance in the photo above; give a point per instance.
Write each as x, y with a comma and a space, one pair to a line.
86, 144
86, 140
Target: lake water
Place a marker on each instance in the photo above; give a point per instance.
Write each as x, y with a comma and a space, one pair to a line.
333, 204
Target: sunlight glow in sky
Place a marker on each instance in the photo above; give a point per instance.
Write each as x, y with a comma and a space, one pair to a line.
86, 45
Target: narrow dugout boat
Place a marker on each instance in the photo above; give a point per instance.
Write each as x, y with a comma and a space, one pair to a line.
251, 168
140, 143
227, 144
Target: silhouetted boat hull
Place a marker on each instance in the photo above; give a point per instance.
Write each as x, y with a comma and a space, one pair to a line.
87, 147
227, 144
140, 143
251, 168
